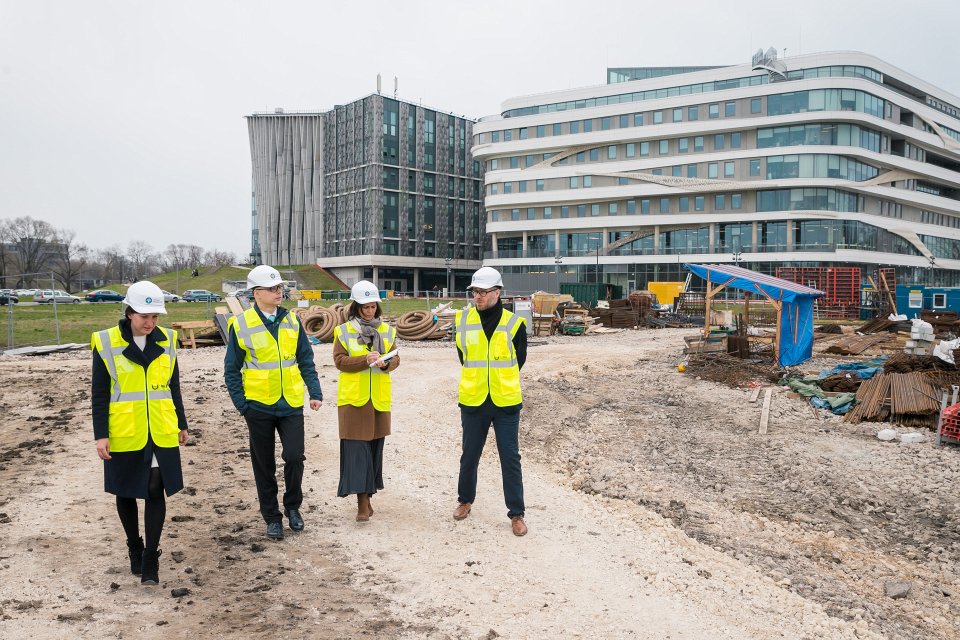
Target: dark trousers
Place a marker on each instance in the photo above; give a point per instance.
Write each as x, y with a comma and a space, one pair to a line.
262, 447
506, 426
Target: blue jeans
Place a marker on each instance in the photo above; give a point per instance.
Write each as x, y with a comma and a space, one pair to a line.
506, 426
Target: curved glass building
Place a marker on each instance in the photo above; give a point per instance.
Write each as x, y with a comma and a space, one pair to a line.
833, 159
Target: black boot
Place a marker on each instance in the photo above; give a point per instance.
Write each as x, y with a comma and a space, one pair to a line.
151, 567
135, 551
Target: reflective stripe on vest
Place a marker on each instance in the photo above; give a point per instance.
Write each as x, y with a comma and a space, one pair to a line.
357, 389
490, 367
270, 369
141, 403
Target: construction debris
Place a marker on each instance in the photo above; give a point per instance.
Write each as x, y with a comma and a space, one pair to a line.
855, 345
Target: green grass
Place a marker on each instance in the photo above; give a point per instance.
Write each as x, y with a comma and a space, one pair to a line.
34, 325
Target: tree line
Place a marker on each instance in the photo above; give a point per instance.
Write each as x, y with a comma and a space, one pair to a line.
31, 250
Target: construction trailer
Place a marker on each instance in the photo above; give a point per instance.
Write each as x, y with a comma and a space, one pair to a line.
914, 298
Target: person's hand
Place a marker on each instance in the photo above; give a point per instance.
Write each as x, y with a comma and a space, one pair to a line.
183, 437
372, 357
315, 404
103, 448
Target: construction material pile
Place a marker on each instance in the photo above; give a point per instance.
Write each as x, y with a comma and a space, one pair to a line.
731, 370
319, 322
435, 324
620, 315
908, 399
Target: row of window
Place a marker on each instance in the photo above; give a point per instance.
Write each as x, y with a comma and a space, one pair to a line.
455, 185
939, 219
808, 165
643, 206
845, 135
689, 89
783, 236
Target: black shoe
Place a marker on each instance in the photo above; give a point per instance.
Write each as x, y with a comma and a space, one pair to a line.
296, 520
135, 551
151, 567
275, 530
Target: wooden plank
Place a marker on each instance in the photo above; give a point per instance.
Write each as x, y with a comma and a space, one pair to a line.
193, 324
765, 412
755, 394
234, 305
221, 310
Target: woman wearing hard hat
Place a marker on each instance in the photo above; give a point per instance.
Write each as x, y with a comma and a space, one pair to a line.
364, 351
138, 420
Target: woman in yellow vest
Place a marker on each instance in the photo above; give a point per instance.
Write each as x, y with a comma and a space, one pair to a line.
138, 420
364, 351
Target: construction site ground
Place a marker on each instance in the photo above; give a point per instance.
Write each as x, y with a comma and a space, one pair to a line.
655, 508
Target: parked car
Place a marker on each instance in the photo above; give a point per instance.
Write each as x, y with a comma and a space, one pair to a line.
8, 297
201, 295
48, 295
245, 294
103, 295
170, 297
25, 293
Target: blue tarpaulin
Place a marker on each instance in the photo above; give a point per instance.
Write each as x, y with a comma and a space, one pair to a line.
795, 316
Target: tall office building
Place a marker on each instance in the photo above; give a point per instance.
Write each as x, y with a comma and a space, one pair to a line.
836, 159
377, 189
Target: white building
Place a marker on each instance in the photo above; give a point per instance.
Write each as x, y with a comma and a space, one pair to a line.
815, 160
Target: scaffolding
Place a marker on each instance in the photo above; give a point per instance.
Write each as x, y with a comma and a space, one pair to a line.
841, 288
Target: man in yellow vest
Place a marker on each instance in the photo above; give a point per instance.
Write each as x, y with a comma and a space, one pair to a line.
267, 368
492, 345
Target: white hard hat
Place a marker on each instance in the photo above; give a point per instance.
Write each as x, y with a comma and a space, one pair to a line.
486, 278
364, 292
263, 276
145, 297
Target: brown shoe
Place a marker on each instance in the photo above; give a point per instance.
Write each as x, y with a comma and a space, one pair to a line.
518, 525
462, 511
363, 507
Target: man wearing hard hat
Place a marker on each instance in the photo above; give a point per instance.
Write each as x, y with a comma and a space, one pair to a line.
267, 367
492, 345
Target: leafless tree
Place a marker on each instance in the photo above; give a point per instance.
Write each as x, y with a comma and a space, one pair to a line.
6, 256
112, 262
175, 257
194, 255
68, 263
218, 258
32, 241
138, 253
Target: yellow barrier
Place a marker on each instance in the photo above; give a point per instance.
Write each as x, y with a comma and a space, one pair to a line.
310, 294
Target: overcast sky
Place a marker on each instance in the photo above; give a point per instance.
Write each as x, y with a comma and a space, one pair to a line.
124, 120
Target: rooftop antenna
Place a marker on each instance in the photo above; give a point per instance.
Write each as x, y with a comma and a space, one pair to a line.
395, 83
378, 83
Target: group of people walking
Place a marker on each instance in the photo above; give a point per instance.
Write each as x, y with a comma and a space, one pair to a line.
139, 420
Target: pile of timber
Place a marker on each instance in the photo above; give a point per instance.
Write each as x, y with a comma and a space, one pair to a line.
943, 321
671, 321
907, 399
829, 328
907, 363
855, 345
620, 315
841, 383
878, 325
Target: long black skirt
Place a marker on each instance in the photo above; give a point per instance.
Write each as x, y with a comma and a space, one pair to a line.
361, 467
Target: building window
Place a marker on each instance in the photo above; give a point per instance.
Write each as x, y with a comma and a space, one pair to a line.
594, 210
631, 149
755, 105
523, 186
638, 119
657, 117
678, 115
507, 187
735, 140
575, 126
581, 156
514, 162
719, 202
574, 182
754, 167
730, 109
684, 204
664, 205
676, 171
657, 172
698, 203
557, 129
624, 121
605, 123
714, 110
581, 211
528, 161
515, 214
547, 213
564, 212
644, 148
594, 155
631, 206
729, 168
718, 142
691, 171
587, 181
587, 126
712, 170
693, 113
683, 145
531, 213
644, 207
698, 143
736, 200
540, 185
612, 209
507, 135
523, 133
612, 152
494, 136
664, 147
494, 165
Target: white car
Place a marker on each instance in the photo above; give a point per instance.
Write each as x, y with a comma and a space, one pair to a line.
170, 297
48, 296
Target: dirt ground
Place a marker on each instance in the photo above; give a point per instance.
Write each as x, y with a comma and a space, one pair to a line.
655, 510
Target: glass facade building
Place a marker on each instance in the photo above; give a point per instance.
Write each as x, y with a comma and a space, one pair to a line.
814, 160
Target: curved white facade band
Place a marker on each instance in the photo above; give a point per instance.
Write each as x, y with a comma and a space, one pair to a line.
836, 159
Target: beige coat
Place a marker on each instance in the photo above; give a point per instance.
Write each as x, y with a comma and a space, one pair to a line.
360, 423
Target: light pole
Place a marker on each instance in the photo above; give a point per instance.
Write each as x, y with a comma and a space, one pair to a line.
597, 266
736, 258
447, 262
558, 260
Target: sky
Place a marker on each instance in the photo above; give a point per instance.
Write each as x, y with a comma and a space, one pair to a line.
124, 121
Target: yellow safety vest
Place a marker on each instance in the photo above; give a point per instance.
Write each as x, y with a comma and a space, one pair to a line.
489, 367
358, 389
140, 401
270, 366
